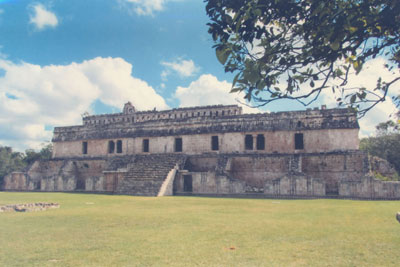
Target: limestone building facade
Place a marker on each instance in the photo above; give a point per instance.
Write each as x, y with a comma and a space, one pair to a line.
212, 150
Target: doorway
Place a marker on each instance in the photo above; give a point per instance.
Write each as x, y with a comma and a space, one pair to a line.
187, 183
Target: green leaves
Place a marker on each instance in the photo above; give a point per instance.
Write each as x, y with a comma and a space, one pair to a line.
222, 54
314, 42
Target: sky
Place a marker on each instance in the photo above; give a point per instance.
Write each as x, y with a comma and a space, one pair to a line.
62, 58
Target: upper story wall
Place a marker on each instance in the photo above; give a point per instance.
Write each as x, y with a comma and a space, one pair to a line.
259, 142
202, 120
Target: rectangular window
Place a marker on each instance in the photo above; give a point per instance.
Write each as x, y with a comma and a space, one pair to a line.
111, 147
248, 142
119, 146
178, 144
84, 148
298, 141
260, 142
214, 143
145, 145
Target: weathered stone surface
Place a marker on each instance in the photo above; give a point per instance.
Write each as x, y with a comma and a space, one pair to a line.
221, 151
39, 206
369, 187
382, 167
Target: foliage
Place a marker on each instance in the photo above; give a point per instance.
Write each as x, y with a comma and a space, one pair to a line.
385, 145
381, 177
44, 153
15, 161
306, 45
112, 230
10, 161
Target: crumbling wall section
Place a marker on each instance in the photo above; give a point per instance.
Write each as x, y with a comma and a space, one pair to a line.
255, 170
16, 181
59, 178
336, 166
370, 188
209, 183
295, 185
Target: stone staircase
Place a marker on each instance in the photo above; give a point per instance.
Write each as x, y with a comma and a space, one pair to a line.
146, 173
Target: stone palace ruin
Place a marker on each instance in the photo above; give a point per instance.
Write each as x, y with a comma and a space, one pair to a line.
210, 150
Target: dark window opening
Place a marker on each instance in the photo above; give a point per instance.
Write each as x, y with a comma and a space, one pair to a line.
248, 141
187, 183
111, 147
260, 142
145, 145
119, 146
178, 144
214, 143
298, 141
80, 184
299, 124
84, 148
38, 185
216, 113
223, 113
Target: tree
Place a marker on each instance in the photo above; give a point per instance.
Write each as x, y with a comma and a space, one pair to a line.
16, 161
386, 143
44, 153
295, 49
10, 161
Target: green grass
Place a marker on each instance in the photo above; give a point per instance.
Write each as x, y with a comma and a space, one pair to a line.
103, 230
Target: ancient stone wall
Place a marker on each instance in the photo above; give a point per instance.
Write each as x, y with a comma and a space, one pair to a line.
59, 175
133, 116
342, 173
208, 183
323, 130
295, 185
275, 142
370, 188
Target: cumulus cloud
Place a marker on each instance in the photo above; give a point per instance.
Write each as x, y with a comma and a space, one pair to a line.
146, 7
382, 112
208, 90
184, 68
33, 96
42, 18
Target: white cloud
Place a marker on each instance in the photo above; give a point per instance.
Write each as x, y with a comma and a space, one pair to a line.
32, 96
208, 90
42, 18
184, 68
146, 7
372, 70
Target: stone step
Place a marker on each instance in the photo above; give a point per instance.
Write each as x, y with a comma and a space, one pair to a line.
146, 173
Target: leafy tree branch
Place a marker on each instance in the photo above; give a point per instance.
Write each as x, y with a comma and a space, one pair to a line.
295, 49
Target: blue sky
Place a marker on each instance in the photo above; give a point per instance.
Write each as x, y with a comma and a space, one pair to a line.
61, 58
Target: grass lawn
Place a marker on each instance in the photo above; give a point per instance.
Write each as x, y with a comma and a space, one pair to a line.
103, 230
